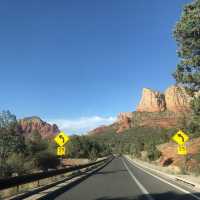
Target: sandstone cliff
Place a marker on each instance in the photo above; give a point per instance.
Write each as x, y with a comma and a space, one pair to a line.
165, 119
177, 100
151, 101
174, 99
124, 121
156, 109
29, 124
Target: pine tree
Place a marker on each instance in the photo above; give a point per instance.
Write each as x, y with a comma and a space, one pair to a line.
187, 74
187, 35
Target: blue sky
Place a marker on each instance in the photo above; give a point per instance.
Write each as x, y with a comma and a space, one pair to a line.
72, 62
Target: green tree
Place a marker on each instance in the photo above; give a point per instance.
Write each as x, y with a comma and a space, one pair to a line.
152, 152
87, 147
187, 35
11, 141
35, 143
93, 154
7, 120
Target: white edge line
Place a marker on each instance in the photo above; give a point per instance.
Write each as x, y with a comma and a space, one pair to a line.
163, 180
142, 188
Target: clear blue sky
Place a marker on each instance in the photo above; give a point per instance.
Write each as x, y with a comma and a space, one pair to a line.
70, 59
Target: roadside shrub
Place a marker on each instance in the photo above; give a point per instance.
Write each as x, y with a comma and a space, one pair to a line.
152, 152
46, 160
5, 170
16, 162
93, 155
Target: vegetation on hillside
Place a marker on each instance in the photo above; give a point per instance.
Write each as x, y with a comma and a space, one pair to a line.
139, 117
135, 140
87, 147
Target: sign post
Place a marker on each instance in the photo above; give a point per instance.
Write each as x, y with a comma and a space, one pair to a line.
60, 151
60, 140
182, 149
181, 138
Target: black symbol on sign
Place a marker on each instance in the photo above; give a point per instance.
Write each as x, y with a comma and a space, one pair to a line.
179, 135
62, 138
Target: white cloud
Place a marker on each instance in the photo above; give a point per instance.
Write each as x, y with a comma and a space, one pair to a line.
81, 125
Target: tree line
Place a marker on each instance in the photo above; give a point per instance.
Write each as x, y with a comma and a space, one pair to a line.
22, 154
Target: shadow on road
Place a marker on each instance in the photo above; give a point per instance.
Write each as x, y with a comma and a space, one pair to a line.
161, 196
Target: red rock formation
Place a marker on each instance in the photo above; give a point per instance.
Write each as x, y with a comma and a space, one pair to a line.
99, 130
151, 101
156, 110
166, 109
124, 121
162, 121
174, 99
29, 124
177, 100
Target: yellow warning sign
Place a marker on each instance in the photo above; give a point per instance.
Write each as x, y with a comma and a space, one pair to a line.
61, 138
180, 137
182, 149
60, 151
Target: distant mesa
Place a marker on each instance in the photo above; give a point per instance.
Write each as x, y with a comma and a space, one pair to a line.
30, 124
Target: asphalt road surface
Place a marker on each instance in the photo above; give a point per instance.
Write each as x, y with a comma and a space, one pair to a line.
121, 180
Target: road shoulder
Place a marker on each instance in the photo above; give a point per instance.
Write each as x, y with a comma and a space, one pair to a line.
152, 168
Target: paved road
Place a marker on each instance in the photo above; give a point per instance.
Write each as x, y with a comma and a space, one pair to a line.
121, 180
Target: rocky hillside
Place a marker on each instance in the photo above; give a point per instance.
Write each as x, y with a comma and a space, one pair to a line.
99, 130
30, 124
157, 109
169, 156
104, 129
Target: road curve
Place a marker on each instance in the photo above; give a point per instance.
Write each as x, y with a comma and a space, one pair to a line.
121, 180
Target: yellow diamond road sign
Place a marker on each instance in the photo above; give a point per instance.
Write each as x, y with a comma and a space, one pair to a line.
180, 137
60, 151
182, 149
61, 138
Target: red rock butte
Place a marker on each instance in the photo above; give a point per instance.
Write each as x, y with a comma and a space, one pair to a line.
157, 109
30, 124
174, 99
